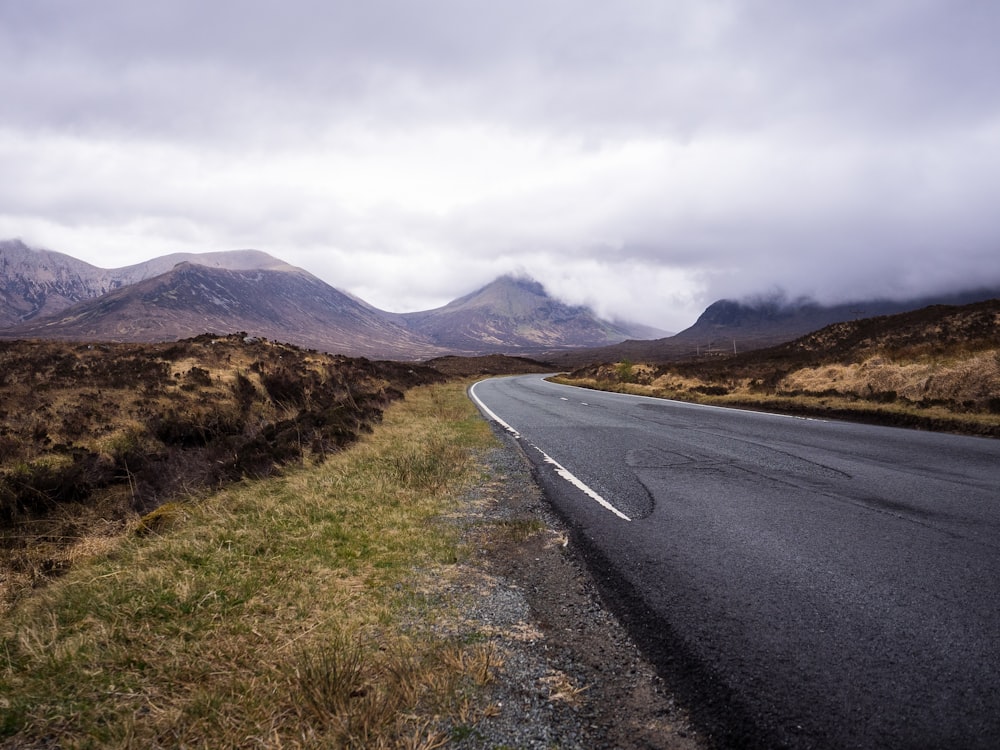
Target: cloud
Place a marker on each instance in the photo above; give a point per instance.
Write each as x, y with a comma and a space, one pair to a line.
645, 157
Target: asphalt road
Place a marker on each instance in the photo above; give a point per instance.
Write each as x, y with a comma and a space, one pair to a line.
801, 583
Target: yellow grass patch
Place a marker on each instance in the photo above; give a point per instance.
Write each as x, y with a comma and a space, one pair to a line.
972, 378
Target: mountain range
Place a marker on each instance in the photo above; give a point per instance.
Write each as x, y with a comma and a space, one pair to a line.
46, 294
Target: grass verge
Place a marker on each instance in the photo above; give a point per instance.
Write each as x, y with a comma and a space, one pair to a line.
288, 612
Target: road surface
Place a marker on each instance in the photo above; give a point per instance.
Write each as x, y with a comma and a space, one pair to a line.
801, 583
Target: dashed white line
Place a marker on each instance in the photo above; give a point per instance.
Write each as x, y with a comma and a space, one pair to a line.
561, 470
573, 480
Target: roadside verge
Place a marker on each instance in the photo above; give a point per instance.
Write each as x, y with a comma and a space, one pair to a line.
410, 591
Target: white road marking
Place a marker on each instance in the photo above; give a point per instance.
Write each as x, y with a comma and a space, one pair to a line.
561, 470
489, 412
573, 480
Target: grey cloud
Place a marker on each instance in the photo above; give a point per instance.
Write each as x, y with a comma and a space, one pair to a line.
828, 148
596, 70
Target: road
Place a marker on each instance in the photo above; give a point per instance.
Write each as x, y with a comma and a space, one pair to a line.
801, 583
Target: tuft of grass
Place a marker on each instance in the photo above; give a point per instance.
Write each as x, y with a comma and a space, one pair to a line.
278, 612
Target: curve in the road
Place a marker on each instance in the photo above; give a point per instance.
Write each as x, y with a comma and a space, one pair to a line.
811, 584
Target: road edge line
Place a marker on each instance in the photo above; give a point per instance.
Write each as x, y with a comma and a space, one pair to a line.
561, 470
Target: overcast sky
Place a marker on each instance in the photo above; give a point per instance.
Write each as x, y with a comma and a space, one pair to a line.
646, 158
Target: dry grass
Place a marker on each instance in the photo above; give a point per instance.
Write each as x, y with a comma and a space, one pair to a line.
288, 612
106, 433
974, 378
958, 391
934, 368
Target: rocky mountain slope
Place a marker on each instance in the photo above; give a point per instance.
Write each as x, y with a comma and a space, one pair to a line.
511, 313
44, 294
37, 283
284, 305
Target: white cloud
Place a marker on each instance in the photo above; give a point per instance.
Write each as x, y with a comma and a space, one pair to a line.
410, 152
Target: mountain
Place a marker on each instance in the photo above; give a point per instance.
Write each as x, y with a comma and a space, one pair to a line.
766, 321
44, 294
281, 303
512, 314
37, 283
729, 326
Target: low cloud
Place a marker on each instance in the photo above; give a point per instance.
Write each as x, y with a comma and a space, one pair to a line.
646, 159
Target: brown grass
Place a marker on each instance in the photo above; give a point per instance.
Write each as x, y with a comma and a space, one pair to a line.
96, 436
957, 394
972, 379
935, 368
301, 611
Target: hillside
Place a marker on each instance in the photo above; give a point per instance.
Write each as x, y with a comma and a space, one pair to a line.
728, 325
97, 434
286, 304
512, 314
937, 367
37, 283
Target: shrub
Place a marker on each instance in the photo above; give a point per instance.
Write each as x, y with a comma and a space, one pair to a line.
244, 391
199, 376
625, 371
285, 388
30, 490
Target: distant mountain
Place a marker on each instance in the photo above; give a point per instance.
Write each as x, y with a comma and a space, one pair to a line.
37, 283
512, 314
639, 331
44, 294
765, 321
727, 326
281, 303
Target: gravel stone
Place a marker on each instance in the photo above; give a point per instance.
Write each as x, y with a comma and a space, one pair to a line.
570, 675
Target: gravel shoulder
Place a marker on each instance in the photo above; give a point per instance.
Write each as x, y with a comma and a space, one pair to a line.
570, 675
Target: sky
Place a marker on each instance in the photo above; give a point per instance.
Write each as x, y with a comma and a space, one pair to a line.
643, 157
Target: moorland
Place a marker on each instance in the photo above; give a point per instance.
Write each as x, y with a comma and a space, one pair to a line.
226, 534
934, 368
94, 436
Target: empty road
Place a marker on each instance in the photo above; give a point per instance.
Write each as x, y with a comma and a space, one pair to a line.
800, 583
